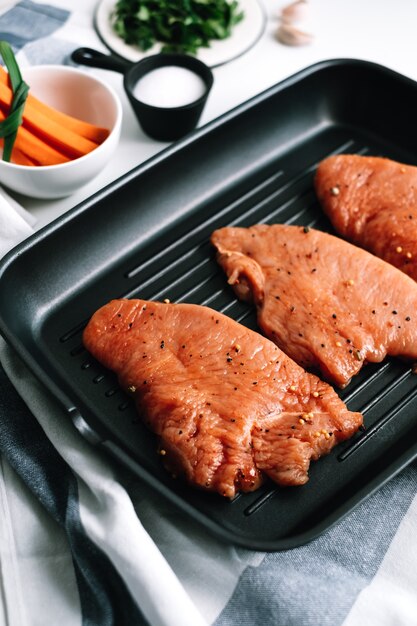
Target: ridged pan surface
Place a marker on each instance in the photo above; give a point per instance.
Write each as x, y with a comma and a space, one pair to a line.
147, 236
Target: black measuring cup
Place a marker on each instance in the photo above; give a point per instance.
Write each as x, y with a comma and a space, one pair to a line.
161, 123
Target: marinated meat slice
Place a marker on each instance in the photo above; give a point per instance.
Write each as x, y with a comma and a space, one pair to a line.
372, 202
325, 302
228, 406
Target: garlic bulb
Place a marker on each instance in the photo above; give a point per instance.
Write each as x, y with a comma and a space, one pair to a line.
287, 32
291, 36
295, 12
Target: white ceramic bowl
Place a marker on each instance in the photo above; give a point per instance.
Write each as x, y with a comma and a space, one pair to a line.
76, 93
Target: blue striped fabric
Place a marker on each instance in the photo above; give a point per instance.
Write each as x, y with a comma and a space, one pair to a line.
105, 601
318, 583
29, 21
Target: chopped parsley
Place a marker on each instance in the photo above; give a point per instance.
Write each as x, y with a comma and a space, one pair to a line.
179, 25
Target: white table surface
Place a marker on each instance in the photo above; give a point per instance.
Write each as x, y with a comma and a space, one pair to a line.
382, 31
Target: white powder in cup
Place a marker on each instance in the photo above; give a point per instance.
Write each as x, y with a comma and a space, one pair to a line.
169, 87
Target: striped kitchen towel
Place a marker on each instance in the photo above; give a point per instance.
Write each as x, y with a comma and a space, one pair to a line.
30, 27
47, 33
86, 558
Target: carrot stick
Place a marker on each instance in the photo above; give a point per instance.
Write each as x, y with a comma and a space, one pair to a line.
20, 158
94, 133
64, 140
36, 149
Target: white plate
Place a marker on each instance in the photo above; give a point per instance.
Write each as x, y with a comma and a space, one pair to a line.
244, 35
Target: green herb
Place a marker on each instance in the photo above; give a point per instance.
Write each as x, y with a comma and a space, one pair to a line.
180, 25
10, 126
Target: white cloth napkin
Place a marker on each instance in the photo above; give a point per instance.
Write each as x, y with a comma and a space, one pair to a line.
108, 518
15, 223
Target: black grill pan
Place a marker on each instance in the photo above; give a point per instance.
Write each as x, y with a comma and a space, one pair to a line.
147, 235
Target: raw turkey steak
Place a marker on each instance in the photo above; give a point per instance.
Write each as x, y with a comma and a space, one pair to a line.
324, 302
372, 202
228, 406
